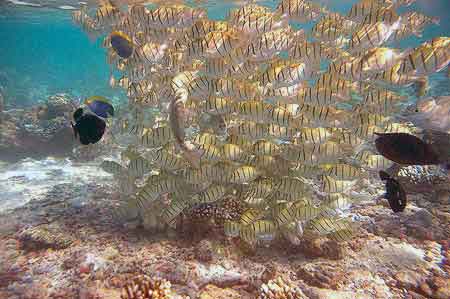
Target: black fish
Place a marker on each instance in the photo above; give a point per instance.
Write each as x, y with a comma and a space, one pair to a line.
406, 149
89, 127
395, 194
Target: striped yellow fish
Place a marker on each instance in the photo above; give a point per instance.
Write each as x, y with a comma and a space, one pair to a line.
217, 106
377, 162
113, 167
372, 35
210, 152
243, 174
139, 166
237, 89
173, 16
337, 201
216, 44
272, 43
310, 52
212, 194
252, 110
250, 129
265, 147
291, 185
232, 152
261, 188
241, 141
157, 137
313, 135
264, 230
300, 10
330, 184
256, 23
250, 216
324, 115
361, 9
426, 60
305, 171
342, 171
171, 212
207, 138
167, 160
231, 228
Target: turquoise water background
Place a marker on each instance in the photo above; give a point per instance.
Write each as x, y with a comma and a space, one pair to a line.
42, 52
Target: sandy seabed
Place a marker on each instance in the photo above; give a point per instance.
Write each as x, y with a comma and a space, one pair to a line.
59, 240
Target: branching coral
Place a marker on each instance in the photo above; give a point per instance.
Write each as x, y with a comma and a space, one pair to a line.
280, 289
144, 287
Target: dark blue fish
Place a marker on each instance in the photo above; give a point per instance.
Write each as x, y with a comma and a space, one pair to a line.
90, 128
100, 106
395, 194
406, 149
122, 44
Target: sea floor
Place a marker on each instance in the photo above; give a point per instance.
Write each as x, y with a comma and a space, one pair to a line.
58, 239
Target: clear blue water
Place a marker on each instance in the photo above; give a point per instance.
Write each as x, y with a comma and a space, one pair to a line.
43, 53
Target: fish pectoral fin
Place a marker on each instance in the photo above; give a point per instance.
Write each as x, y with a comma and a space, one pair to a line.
75, 131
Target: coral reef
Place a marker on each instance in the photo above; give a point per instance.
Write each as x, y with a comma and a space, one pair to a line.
43, 236
144, 287
429, 178
37, 132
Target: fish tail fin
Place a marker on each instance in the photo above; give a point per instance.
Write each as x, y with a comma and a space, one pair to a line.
421, 86
75, 132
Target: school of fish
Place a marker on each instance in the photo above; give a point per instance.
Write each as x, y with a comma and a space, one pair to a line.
249, 110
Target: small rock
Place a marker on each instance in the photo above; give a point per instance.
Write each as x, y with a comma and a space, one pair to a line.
442, 197
317, 293
409, 280
421, 217
321, 275
442, 288
322, 248
110, 253
44, 236
425, 289
270, 272
97, 262
84, 269
212, 292
414, 295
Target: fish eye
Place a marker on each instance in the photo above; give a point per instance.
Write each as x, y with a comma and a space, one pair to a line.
416, 110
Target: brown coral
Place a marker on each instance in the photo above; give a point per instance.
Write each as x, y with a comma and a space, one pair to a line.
144, 287
230, 209
280, 289
44, 236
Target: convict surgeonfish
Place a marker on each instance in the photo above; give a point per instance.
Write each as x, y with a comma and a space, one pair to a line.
239, 122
